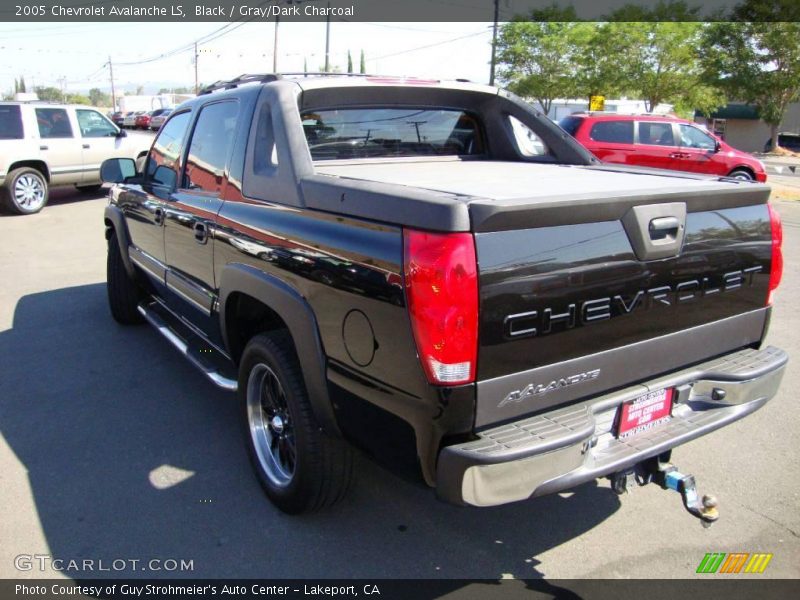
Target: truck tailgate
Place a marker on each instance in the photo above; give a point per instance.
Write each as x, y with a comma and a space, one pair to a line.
585, 294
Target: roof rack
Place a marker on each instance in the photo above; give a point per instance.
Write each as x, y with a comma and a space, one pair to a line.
268, 77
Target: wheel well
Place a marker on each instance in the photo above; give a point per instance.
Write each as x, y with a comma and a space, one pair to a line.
142, 153
33, 164
246, 317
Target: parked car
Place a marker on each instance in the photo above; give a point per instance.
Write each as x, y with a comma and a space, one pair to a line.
130, 119
158, 117
436, 273
787, 140
44, 145
117, 118
661, 142
142, 121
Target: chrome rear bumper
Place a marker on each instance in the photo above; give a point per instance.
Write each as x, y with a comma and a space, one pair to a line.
563, 448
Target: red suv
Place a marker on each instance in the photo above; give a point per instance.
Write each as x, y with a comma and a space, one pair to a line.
660, 142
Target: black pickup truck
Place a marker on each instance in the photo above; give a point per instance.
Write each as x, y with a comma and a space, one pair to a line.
437, 274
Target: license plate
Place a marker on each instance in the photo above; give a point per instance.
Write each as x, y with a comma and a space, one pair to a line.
644, 412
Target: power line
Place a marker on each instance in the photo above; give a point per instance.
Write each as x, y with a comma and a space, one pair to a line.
463, 37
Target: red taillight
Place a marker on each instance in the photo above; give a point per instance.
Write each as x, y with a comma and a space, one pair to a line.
776, 269
441, 280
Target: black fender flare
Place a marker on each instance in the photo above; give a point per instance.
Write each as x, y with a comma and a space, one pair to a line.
299, 317
114, 215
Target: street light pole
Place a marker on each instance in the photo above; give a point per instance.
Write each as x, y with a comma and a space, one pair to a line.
196, 90
275, 46
327, 38
494, 40
113, 94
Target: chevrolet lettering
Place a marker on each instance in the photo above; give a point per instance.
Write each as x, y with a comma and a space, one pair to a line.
406, 266
600, 309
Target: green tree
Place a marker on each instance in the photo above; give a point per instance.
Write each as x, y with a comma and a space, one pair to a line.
662, 60
49, 94
600, 57
99, 98
757, 61
22, 84
536, 56
363, 65
78, 99
349, 62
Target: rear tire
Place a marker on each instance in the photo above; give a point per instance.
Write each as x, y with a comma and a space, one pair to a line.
25, 191
124, 294
300, 467
742, 174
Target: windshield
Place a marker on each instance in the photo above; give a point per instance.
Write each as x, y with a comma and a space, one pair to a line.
391, 132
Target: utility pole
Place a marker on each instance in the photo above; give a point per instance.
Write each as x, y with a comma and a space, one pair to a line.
275, 46
196, 90
113, 94
327, 38
494, 40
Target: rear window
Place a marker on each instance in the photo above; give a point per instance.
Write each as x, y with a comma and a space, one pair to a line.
10, 123
570, 124
616, 132
391, 132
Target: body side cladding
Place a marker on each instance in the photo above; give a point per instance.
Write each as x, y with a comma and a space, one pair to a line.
299, 317
114, 219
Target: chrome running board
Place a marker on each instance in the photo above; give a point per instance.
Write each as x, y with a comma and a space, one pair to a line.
197, 350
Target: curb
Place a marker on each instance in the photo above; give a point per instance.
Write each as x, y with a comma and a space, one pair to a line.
784, 170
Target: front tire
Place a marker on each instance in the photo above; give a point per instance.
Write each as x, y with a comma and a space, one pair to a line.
124, 294
741, 174
300, 467
25, 191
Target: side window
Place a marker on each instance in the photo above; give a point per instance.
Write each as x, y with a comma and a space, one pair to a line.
615, 132
656, 134
94, 125
10, 122
162, 162
265, 158
692, 137
211, 143
528, 143
53, 123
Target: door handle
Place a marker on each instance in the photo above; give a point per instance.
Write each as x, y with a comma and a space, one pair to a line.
200, 232
677, 155
44, 147
158, 216
86, 146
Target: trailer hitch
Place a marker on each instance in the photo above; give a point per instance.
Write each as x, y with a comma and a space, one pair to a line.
668, 477
705, 508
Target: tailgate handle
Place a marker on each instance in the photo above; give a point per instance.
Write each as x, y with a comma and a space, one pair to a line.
664, 227
656, 231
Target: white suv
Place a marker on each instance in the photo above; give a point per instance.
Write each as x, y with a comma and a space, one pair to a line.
44, 144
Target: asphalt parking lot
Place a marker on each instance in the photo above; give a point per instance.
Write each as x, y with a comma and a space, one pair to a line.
114, 447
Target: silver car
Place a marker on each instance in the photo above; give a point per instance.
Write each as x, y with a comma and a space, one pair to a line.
158, 118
